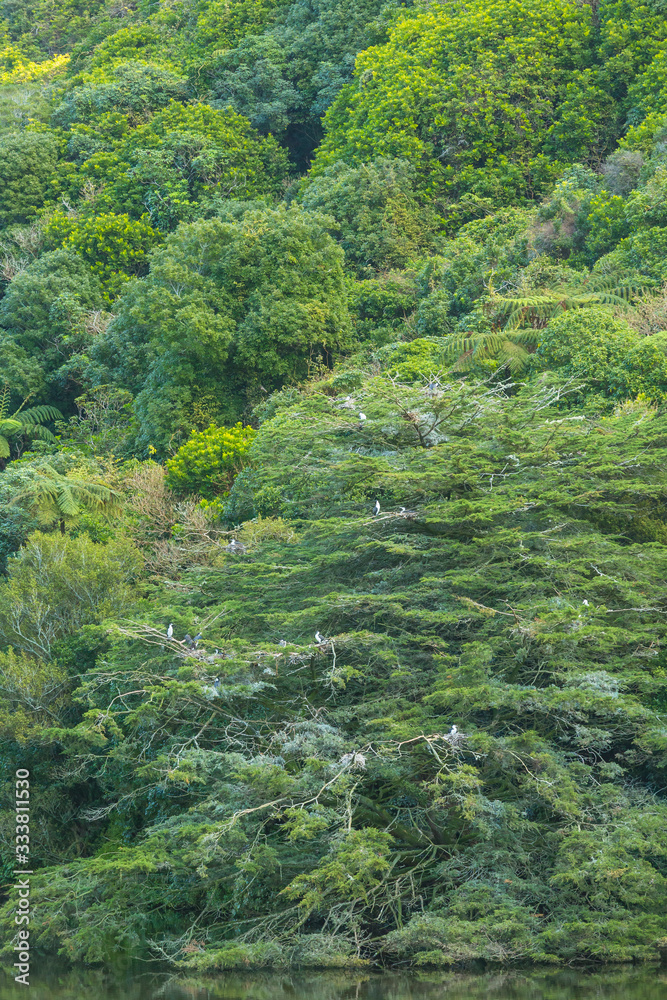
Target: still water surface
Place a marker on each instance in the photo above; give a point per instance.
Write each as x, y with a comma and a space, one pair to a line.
625, 983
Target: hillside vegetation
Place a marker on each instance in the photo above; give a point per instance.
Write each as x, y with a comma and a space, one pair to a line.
333, 517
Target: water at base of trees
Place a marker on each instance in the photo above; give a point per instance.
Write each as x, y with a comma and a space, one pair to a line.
622, 983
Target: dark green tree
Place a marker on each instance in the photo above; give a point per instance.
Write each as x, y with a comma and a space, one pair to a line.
229, 311
380, 223
28, 163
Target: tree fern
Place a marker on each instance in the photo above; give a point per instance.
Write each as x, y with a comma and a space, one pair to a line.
517, 319
468, 348
28, 423
537, 308
57, 499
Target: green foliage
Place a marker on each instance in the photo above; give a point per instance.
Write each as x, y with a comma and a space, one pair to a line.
46, 310
32, 693
419, 361
485, 253
227, 304
50, 25
115, 247
58, 584
57, 499
134, 89
208, 462
315, 795
480, 922
466, 764
383, 306
607, 223
27, 167
181, 156
379, 221
22, 423
222, 25
284, 79
353, 869
477, 100
606, 354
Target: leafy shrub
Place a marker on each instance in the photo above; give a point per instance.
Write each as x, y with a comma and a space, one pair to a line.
45, 302
57, 584
31, 691
115, 247
586, 343
382, 305
230, 308
134, 89
209, 461
416, 361
184, 154
643, 371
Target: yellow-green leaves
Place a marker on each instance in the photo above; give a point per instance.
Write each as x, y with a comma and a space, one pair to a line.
209, 461
470, 96
115, 247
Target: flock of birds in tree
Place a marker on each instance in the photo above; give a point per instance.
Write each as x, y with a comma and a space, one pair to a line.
319, 639
453, 737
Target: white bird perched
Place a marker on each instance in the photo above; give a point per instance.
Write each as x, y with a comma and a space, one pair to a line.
402, 510
455, 738
362, 417
282, 643
376, 508
319, 638
586, 603
170, 630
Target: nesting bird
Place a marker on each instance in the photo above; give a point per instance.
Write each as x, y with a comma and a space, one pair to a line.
319, 638
235, 546
282, 643
196, 639
455, 738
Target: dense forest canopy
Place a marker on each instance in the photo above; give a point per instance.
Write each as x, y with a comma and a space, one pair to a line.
333, 517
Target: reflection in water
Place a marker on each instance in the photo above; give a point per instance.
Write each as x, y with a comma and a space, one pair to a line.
623, 983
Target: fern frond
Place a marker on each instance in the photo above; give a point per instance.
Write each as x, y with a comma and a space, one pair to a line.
469, 348
66, 502
4, 400
513, 355
39, 414
529, 335
539, 308
36, 430
9, 426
